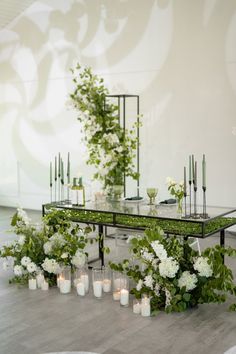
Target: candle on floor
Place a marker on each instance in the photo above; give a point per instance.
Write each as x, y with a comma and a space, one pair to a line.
136, 307
106, 285
116, 295
39, 279
80, 287
44, 285
145, 307
65, 286
84, 278
32, 284
97, 288
124, 297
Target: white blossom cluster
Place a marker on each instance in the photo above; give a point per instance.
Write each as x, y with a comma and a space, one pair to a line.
188, 280
79, 259
159, 250
139, 285
56, 240
51, 266
147, 256
202, 266
18, 270
168, 297
26, 266
23, 216
148, 281
168, 267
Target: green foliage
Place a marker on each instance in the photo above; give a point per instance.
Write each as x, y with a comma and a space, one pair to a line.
111, 149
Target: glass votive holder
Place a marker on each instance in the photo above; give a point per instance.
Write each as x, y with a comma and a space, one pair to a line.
39, 279
116, 285
97, 278
81, 275
136, 306
145, 306
124, 292
106, 284
64, 280
32, 283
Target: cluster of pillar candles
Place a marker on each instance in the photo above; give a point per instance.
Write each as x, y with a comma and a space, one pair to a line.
104, 281
57, 177
192, 181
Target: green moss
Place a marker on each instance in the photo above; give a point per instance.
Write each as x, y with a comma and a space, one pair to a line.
179, 227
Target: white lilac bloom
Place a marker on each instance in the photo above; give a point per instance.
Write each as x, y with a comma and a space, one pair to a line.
203, 268
157, 289
31, 267
159, 250
57, 239
147, 256
23, 215
170, 181
64, 255
139, 285
18, 270
188, 280
168, 267
25, 261
79, 259
47, 247
21, 240
50, 266
5, 265
168, 298
155, 263
148, 281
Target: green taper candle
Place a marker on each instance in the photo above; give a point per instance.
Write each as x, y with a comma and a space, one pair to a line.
193, 172
190, 169
204, 171
185, 182
50, 174
62, 172
55, 168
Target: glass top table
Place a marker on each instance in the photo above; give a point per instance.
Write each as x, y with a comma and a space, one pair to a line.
140, 215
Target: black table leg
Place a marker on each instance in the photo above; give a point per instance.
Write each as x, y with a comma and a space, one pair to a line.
222, 242
101, 243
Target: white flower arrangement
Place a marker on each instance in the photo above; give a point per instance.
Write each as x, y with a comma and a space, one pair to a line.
111, 149
173, 274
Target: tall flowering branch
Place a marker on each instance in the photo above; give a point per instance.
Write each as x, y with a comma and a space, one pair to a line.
111, 149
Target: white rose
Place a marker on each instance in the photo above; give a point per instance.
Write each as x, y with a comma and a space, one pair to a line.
31, 267
25, 261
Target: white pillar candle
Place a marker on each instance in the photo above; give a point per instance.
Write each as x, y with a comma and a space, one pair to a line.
80, 287
85, 279
97, 288
137, 308
59, 278
32, 284
116, 295
145, 307
39, 279
65, 286
106, 285
44, 285
124, 297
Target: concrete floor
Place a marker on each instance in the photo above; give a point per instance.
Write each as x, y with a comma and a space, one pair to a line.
36, 322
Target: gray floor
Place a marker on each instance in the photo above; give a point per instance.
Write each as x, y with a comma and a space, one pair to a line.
36, 322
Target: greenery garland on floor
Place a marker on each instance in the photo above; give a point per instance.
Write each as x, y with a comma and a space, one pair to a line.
174, 275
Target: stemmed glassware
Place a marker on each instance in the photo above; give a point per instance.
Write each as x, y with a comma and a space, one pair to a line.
152, 193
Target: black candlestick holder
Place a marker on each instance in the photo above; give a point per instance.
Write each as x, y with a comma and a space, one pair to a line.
204, 214
195, 214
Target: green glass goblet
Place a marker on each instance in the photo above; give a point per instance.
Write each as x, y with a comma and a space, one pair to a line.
152, 193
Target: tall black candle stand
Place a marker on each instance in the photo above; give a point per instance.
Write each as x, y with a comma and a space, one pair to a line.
204, 214
50, 192
185, 205
195, 215
55, 189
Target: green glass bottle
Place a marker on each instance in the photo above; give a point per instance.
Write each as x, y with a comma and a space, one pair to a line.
78, 192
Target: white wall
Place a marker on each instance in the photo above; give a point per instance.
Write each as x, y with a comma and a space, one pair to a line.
179, 56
